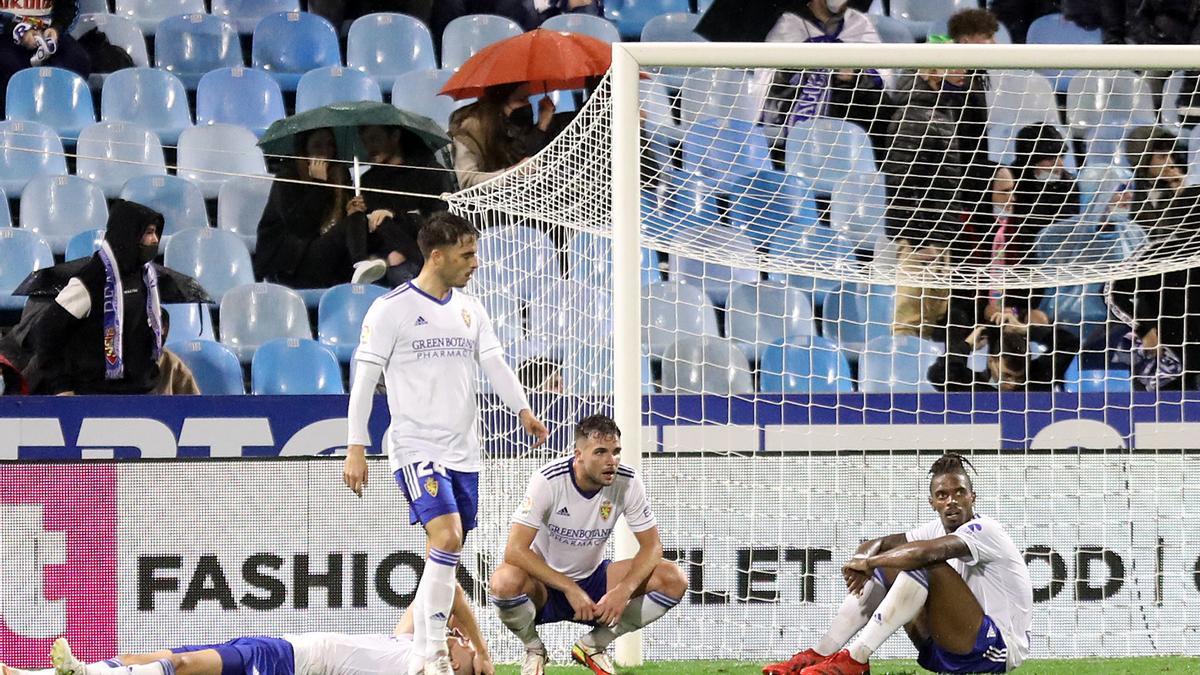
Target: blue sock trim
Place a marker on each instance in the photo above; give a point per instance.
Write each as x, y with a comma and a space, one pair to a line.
167, 666
114, 663
509, 603
443, 557
881, 578
662, 599
921, 576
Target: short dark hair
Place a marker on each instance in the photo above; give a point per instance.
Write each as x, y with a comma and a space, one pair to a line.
444, 229
951, 463
972, 22
596, 424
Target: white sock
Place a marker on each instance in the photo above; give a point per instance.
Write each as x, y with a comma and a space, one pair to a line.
416, 662
109, 667
437, 595
518, 614
18, 671
851, 617
902, 604
640, 612
113, 667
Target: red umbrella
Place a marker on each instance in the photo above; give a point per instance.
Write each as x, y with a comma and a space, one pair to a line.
548, 60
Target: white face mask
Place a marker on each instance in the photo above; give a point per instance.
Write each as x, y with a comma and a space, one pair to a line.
1045, 175
836, 6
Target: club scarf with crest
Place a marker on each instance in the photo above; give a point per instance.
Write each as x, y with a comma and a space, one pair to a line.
114, 312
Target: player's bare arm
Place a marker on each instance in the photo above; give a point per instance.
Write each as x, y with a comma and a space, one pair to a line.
911, 555
649, 555
519, 553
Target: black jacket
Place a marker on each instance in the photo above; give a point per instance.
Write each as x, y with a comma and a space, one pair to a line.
1151, 22
1018, 14
293, 218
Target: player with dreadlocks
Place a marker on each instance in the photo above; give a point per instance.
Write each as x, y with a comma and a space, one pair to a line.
957, 584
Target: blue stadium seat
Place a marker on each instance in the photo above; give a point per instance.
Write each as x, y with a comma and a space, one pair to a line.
180, 201
766, 312
147, 14
1102, 105
891, 30
385, 45
672, 310
724, 150
1082, 310
93, 7
897, 364
1096, 380
340, 316
417, 91
111, 153
246, 97
672, 27
826, 152
5, 213
58, 98
716, 93
84, 244
769, 203
857, 207
1018, 98
240, 205
594, 26
295, 366
505, 312
466, 35
289, 44
517, 260
211, 155
218, 260
189, 321
246, 14
121, 32
335, 84
716, 279
806, 366
631, 15
59, 207
588, 371
555, 331
21, 252
253, 314
589, 261
857, 315
149, 97
705, 365
192, 45
214, 366
918, 14
1053, 29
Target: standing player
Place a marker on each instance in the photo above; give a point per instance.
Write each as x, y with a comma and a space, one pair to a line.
957, 584
427, 337
554, 567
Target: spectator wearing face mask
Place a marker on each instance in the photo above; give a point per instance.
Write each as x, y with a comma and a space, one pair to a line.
1045, 191
496, 133
1159, 170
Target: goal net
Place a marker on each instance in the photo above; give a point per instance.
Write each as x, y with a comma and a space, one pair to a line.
798, 273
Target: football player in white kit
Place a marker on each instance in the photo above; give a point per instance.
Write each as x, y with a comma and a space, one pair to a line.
428, 339
554, 567
957, 584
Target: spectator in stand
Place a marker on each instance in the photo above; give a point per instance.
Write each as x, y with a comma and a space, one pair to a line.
549, 8
1013, 364
1045, 190
35, 34
1159, 169
496, 133
541, 375
1157, 22
103, 334
976, 27
305, 239
1018, 14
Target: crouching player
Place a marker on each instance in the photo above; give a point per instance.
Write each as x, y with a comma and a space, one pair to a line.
957, 584
301, 654
554, 568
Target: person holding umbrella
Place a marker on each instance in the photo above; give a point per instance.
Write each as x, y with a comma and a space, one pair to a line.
488, 136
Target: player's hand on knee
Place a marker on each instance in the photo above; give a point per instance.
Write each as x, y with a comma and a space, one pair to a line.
354, 469
585, 609
610, 607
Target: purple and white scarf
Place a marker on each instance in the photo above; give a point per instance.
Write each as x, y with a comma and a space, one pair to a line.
114, 312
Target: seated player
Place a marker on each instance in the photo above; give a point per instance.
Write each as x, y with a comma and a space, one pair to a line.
957, 584
302, 654
554, 567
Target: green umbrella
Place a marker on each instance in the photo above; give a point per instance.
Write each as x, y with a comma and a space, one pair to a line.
344, 119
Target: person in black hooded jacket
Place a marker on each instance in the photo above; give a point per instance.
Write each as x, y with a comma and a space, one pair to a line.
83, 344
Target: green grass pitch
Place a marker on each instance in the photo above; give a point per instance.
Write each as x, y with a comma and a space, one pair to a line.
1166, 664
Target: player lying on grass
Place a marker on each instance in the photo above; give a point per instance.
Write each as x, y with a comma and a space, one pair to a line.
554, 567
957, 584
302, 654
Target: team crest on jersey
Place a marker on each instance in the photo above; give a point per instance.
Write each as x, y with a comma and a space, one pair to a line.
467, 318
605, 509
431, 486
527, 504
365, 336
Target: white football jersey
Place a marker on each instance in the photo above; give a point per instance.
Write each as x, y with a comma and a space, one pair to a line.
430, 351
996, 573
574, 526
341, 654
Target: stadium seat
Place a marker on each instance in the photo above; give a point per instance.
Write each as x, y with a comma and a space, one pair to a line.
5, 212
28, 149
594, 26
589, 372
720, 93
253, 314
826, 152
466, 35
1083, 310
335, 84
240, 205
810, 365
59, 207
672, 27
715, 278
589, 260
218, 260
189, 321
93, 7
891, 30
178, 199
505, 312
192, 45
247, 14
940, 27
111, 153
705, 365
1170, 101
148, 97
1102, 105
121, 32
918, 14
517, 260
245, 97
385, 45
1053, 29
58, 98
557, 332
857, 207
897, 364
721, 151
21, 252
673, 310
762, 313
1096, 380
1017, 98
148, 14
211, 155
84, 244
295, 366
340, 316
214, 366
289, 44
631, 15
417, 91
818, 246
858, 314
769, 203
